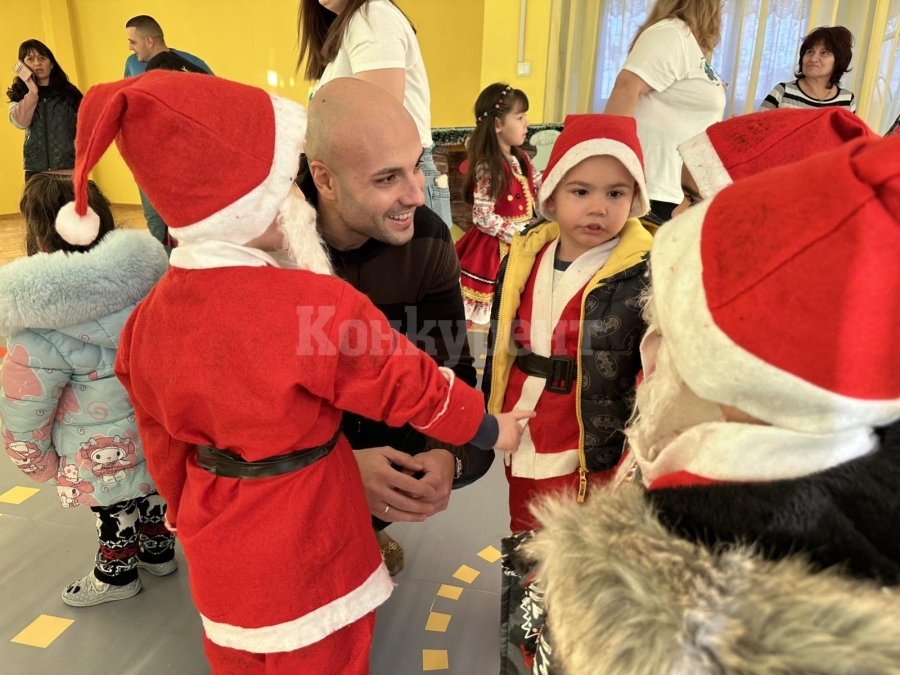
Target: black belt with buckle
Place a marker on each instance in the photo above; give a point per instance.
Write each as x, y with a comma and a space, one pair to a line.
559, 371
228, 465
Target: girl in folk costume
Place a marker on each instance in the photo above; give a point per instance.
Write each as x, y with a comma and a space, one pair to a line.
564, 343
501, 184
64, 416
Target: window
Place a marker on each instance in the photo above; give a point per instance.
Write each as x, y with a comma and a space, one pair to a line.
744, 50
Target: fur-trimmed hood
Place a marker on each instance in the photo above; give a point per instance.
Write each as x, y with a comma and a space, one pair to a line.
55, 290
625, 595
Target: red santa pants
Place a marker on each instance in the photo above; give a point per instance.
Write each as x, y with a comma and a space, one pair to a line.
344, 652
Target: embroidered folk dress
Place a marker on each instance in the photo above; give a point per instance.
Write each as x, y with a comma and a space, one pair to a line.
497, 221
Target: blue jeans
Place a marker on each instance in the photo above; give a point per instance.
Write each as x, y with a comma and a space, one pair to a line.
436, 198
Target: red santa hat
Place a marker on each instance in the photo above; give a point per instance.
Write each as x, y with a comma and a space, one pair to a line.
215, 158
585, 136
780, 296
743, 146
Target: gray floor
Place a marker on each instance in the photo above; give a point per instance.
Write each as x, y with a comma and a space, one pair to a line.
43, 547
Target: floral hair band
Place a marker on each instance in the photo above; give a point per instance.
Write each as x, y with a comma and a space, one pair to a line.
497, 105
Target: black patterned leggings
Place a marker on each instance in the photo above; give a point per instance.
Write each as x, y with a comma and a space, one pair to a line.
525, 647
131, 531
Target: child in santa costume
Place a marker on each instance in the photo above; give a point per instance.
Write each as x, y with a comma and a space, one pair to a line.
239, 371
768, 539
743, 146
501, 184
564, 336
65, 418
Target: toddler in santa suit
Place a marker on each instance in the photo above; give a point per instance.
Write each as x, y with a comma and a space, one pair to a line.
767, 540
239, 371
564, 343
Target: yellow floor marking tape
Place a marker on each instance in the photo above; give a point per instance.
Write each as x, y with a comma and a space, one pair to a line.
437, 622
435, 659
42, 631
18, 494
490, 554
449, 592
466, 574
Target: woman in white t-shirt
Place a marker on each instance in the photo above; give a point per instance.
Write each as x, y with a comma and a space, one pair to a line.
373, 40
669, 87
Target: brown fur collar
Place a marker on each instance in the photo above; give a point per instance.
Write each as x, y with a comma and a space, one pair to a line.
624, 595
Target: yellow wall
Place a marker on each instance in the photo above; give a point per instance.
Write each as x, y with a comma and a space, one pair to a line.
450, 36
500, 49
246, 41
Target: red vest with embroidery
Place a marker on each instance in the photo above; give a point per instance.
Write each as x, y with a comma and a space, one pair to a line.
518, 203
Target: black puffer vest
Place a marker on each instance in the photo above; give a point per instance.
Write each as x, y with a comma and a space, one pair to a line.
610, 337
50, 139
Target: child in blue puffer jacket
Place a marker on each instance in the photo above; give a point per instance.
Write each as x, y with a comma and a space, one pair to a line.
64, 416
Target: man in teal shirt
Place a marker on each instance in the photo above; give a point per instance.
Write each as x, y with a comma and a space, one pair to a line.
146, 40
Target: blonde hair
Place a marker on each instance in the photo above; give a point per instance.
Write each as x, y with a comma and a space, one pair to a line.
703, 17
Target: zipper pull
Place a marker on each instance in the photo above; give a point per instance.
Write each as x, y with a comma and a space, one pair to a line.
582, 484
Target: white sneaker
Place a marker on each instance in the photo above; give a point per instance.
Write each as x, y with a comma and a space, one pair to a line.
158, 569
89, 590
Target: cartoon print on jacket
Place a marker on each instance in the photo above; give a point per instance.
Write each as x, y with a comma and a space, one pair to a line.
108, 457
72, 489
25, 456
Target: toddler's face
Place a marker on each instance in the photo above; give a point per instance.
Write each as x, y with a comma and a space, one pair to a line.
692, 195
591, 204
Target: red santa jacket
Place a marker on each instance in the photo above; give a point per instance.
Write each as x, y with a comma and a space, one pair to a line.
591, 315
261, 361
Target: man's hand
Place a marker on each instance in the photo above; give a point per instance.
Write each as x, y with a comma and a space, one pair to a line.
440, 467
410, 500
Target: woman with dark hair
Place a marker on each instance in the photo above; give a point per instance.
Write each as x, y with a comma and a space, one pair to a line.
373, 40
44, 104
824, 58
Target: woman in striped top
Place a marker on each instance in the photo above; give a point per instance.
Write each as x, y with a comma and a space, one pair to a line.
824, 58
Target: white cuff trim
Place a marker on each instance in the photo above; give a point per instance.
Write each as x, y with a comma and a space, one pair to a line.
450, 376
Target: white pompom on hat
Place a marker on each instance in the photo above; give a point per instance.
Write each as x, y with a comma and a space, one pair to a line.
75, 229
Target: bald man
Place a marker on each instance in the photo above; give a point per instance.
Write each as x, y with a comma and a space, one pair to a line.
362, 174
